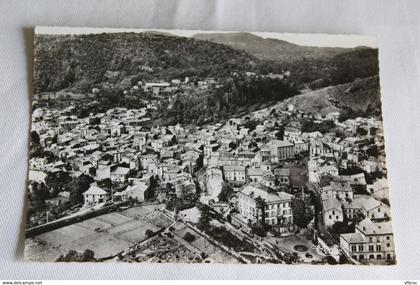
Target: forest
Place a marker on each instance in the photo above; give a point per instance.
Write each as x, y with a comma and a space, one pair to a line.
115, 62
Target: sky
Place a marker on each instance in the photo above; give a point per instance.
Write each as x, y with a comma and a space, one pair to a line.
318, 40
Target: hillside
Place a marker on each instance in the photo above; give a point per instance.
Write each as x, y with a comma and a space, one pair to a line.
240, 66
315, 66
80, 61
270, 49
350, 99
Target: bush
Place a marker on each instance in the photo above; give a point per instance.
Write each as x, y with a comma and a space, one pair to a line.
73, 256
259, 231
189, 237
331, 260
149, 233
343, 259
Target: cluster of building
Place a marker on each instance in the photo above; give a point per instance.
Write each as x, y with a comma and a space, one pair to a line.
122, 145
352, 198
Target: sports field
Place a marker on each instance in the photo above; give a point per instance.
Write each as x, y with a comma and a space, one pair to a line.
106, 235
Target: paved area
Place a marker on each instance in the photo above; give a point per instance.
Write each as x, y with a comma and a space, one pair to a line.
287, 244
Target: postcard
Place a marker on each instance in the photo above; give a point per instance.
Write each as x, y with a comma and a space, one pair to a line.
178, 146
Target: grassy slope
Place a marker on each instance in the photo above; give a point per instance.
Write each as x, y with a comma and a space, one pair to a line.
356, 96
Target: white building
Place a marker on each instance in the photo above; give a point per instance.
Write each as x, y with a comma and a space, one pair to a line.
370, 241
332, 211
276, 208
95, 195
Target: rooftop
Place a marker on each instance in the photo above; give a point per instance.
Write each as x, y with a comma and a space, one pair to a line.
371, 228
255, 192
95, 190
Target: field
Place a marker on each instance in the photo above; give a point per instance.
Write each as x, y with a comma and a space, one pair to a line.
106, 235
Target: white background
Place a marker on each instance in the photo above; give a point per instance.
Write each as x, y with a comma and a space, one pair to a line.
396, 23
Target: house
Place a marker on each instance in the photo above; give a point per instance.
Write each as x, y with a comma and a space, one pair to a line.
353, 208
245, 157
146, 160
331, 170
120, 196
166, 153
258, 206
300, 146
283, 176
95, 195
370, 241
332, 211
184, 184
37, 163
235, 173
268, 179
259, 129
375, 210
137, 191
318, 147
170, 172
139, 141
243, 132
254, 174
210, 148
369, 166
157, 144
292, 134
354, 179
340, 190
379, 189
119, 174
264, 154
281, 150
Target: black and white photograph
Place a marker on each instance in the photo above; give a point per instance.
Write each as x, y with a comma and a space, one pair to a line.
193, 146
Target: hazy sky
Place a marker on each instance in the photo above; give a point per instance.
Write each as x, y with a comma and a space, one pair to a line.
320, 40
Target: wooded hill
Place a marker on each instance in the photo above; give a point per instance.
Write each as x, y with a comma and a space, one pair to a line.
81, 61
317, 66
114, 62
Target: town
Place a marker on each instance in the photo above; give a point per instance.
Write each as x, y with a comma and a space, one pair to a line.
276, 185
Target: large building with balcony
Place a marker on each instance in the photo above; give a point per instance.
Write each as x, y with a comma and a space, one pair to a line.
258, 206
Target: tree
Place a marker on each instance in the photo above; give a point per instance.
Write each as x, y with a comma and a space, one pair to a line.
35, 137
38, 195
57, 181
373, 151
40, 191
260, 205
73, 256
149, 233
361, 131
88, 255
189, 237
225, 193
259, 230
78, 186
343, 259
300, 218
331, 260
204, 220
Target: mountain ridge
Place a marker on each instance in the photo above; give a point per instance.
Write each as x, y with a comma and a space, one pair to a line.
269, 48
